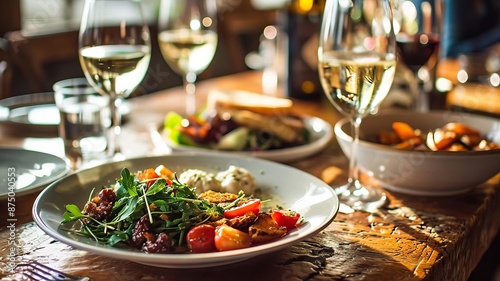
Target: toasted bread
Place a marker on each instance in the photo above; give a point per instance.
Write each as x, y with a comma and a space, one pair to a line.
218, 197
254, 102
265, 122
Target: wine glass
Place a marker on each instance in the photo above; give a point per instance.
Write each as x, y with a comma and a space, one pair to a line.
114, 52
357, 63
417, 24
187, 38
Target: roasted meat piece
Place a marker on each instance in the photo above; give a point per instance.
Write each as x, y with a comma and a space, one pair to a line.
100, 207
242, 222
265, 229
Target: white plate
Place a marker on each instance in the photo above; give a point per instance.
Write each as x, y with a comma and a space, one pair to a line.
29, 171
299, 191
32, 112
321, 134
35, 113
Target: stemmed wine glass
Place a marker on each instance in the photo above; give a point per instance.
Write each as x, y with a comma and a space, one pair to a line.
187, 38
114, 52
417, 24
357, 63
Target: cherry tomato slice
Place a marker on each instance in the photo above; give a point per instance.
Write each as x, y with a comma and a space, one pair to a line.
201, 238
149, 176
252, 206
286, 218
229, 238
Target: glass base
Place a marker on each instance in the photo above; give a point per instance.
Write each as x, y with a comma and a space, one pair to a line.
360, 198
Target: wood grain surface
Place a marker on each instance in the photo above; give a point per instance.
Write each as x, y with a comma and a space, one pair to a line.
410, 238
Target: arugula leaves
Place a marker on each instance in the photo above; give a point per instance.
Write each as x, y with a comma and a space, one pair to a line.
173, 209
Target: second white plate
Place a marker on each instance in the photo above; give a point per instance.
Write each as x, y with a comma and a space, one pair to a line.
27, 171
321, 134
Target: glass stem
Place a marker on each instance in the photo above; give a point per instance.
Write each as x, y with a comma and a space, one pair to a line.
419, 99
353, 160
116, 120
189, 85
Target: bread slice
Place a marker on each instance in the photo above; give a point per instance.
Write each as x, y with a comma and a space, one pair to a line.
244, 100
272, 124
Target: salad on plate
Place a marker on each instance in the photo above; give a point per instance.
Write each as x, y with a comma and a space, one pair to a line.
156, 211
239, 121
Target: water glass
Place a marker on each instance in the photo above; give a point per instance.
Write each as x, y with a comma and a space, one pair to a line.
84, 118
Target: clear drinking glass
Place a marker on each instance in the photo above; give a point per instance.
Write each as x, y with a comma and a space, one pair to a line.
357, 63
114, 51
187, 37
84, 114
417, 28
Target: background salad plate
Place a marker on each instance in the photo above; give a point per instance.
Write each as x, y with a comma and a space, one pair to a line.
321, 134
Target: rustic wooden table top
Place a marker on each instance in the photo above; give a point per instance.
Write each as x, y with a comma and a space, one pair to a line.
411, 238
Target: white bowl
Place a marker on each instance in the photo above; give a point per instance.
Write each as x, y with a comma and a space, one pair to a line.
430, 173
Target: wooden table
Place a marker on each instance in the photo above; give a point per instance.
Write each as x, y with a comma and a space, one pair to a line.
411, 238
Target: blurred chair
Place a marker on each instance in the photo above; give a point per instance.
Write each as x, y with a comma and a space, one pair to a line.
39, 60
5, 72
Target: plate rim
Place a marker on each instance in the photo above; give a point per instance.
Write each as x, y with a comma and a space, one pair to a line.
33, 99
43, 183
37, 99
222, 258
280, 155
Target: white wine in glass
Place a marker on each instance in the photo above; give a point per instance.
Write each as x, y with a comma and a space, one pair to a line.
188, 40
357, 64
115, 51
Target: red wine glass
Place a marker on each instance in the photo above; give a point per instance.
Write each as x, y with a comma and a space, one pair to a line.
417, 25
